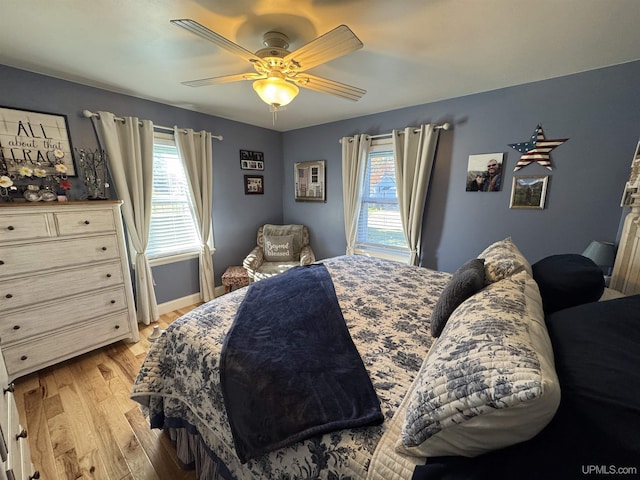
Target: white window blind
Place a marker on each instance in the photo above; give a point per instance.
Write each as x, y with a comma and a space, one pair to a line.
172, 230
379, 223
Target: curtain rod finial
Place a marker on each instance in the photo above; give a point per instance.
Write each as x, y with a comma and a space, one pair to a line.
87, 113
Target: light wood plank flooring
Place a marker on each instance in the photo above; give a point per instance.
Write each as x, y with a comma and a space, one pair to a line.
82, 423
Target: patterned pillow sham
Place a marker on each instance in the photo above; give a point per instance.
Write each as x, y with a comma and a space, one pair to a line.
466, 281
278, 248
503, 259
489, 380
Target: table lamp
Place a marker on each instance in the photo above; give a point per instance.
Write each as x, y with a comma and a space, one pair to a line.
603, 254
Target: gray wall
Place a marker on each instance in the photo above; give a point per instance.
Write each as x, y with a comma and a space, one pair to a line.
599, 111
237, 216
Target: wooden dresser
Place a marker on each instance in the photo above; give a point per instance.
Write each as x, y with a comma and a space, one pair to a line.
14, 445
65, 287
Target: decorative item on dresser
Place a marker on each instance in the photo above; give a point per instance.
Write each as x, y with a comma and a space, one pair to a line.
65, 287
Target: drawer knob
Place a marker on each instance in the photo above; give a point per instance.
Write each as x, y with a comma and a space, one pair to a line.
117, 327
16, 327
113, 301
87, 222
23, 357
10, 388
8, 295
1, 262
108, 275
10, 227
22, 434
104, 249
35, 476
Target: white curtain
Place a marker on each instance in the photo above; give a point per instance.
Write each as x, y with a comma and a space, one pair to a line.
414, 153
355, 151
129, 147
196, 153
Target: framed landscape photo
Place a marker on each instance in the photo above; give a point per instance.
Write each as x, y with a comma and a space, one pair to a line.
253, 185
35, 140
309, 181
529, 191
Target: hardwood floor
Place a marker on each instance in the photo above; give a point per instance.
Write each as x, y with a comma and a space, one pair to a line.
82, 423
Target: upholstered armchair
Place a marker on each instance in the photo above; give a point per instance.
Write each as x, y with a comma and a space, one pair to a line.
279, 248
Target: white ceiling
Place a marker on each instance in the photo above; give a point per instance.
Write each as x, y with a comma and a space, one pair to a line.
415, 51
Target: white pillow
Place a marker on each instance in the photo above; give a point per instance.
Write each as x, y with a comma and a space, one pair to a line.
502, 259
489, 380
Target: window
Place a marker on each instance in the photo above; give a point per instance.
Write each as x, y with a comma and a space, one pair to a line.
173, 230
380, 231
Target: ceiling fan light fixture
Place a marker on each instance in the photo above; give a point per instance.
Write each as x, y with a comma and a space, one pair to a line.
275, 92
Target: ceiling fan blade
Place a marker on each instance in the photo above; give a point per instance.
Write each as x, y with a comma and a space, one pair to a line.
324, 85
219, 40
333, 44
225, 79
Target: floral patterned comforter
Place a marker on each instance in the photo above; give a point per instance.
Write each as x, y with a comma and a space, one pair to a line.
386, 306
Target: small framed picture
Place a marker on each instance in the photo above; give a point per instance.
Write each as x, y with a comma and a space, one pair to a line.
529, 191
253, 185
250, 160
309, 180
484, 172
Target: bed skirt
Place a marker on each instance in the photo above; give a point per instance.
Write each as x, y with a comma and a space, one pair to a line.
193, 453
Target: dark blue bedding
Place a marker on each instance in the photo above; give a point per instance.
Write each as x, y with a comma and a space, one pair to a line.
289, 369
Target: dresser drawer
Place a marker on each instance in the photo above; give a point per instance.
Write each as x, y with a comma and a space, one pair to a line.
23, 227
46, 256
29, 356
41, 318
45, 287
4, 407
17, 444
81, 223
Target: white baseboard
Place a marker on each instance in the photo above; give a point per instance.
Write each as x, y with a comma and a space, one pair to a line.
178, 303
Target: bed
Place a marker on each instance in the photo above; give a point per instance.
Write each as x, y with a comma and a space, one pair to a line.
462, 366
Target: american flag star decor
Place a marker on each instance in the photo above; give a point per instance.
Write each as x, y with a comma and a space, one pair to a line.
537, 149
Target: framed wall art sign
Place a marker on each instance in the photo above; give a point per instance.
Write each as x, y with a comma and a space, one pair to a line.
529, 191
251, 160
35, 141
310, 181
253, 184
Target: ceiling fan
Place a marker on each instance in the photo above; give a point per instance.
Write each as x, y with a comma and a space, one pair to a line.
279, 72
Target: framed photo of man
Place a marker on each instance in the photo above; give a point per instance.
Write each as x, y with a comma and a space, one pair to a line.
484, 172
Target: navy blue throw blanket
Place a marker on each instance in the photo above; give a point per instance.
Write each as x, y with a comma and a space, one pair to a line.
289, 369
